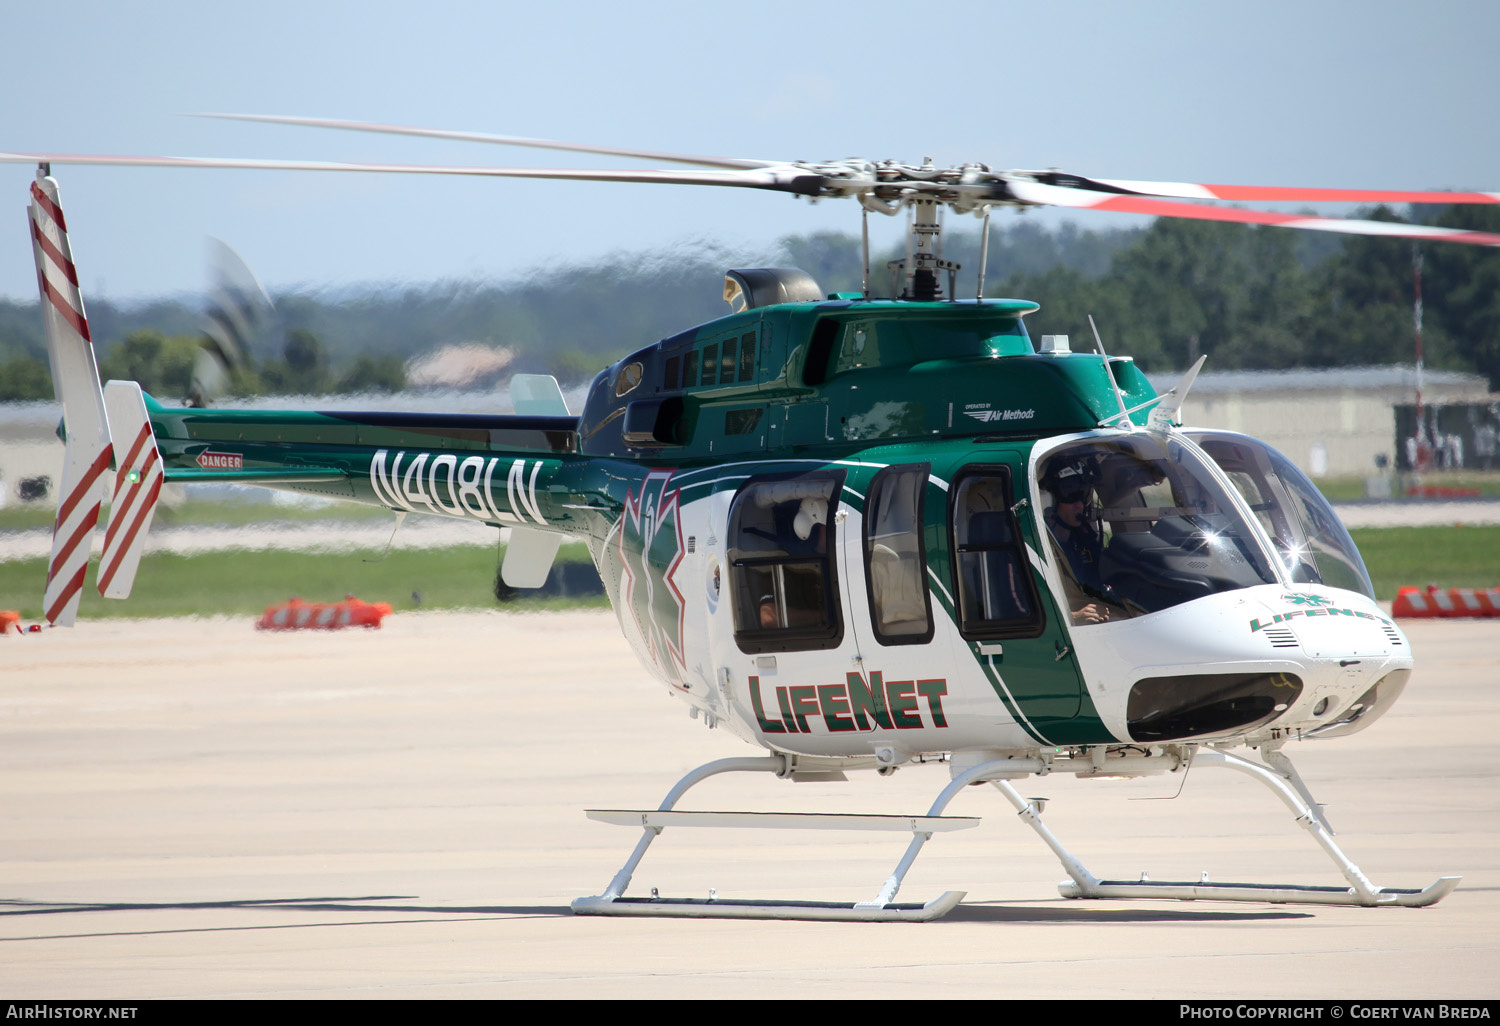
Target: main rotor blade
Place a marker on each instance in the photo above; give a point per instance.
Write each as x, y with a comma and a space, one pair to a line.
1082, 199
780, 179
503, 140
1259, 193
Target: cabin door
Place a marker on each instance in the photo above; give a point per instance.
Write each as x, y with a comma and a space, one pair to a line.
1007, 621
883, 545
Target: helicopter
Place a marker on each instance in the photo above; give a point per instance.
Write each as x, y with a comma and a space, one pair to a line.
859, 533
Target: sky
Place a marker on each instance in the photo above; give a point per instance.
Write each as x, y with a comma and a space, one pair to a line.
1374, 94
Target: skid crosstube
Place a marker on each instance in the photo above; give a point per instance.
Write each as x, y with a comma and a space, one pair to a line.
882, 907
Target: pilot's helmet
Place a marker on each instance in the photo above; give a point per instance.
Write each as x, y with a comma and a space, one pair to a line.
1070, 482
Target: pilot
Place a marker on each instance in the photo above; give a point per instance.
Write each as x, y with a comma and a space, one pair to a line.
1077, 537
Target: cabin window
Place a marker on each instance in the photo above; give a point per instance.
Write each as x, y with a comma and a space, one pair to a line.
747, 357
630, 376
690, 369
996, 595
895, 558
781, 564
859, 348
710, 363
728, 360
861, 344
669, 375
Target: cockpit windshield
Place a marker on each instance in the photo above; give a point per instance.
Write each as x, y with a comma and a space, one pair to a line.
1309, 537
1138, 524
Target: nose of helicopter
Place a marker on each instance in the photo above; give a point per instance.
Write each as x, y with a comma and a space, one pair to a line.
1252, 662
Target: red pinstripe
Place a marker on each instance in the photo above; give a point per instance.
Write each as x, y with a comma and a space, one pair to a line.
45, 202
73, 317
58, 257
85, 526
90, 476
136, 446
125, 493
74, 586
107, 574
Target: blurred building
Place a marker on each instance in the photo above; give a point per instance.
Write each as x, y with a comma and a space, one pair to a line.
1331, 422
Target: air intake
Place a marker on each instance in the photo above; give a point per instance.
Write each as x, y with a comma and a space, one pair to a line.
753, 287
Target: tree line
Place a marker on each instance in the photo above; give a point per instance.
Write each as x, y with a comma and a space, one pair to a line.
1249, 298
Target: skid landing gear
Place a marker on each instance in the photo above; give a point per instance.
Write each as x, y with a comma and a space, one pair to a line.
1082, 884
1283, 781
881, 908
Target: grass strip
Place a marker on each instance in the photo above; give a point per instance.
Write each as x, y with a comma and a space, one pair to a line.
1451, 556
244, 582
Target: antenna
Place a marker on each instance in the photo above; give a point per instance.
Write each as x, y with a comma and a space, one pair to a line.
1119, 397
984, 254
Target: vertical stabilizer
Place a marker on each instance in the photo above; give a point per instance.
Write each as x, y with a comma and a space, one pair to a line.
138, 479
75, 378
537, 395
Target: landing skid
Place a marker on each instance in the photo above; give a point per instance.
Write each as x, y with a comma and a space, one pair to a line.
1283, 781
1083, 884
880, 909
728, 908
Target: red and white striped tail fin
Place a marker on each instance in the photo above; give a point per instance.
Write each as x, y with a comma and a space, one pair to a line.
138, 479
75, 377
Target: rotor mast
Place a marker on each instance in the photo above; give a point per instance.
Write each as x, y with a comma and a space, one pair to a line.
887, 188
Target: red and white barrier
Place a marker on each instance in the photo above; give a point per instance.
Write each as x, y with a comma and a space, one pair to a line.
1433, 601
330, 616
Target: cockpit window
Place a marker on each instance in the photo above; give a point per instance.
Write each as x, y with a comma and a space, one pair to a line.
1310, 539
1138, 524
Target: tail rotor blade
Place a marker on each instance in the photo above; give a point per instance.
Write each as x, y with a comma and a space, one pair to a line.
239, 314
